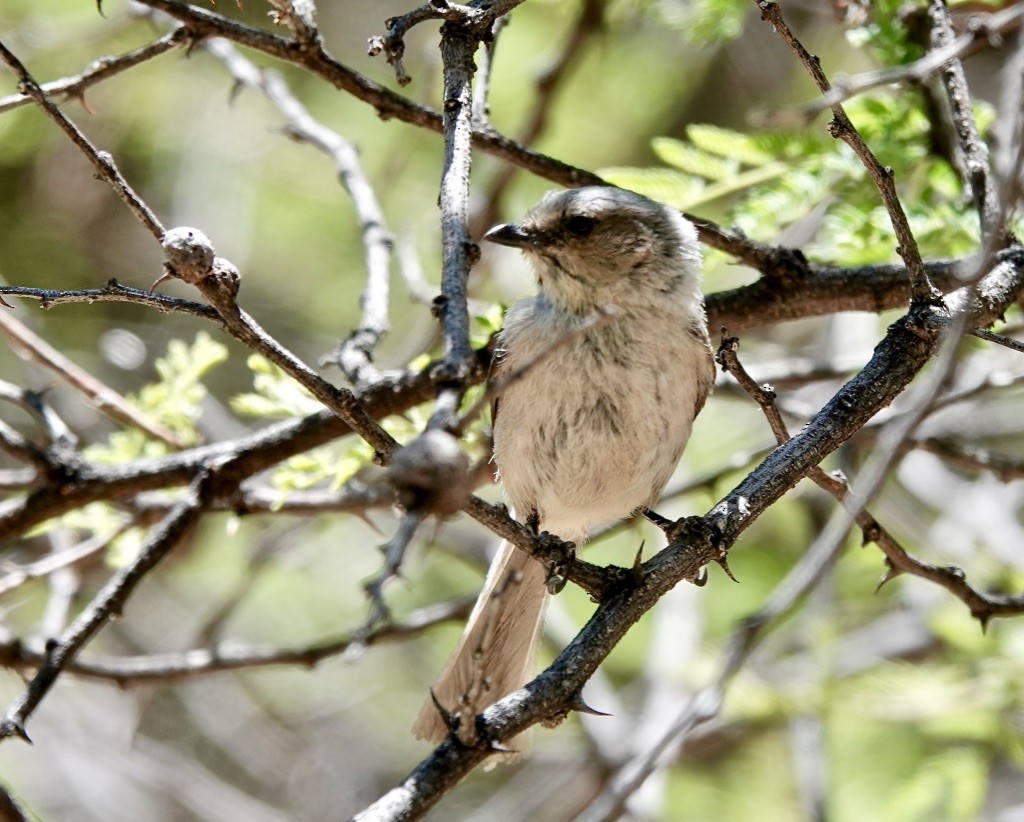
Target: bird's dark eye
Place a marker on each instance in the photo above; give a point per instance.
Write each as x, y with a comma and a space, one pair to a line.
579, 225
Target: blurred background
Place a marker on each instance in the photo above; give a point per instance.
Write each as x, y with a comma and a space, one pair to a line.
888, 705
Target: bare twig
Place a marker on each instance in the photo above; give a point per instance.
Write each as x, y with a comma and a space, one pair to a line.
355, 355
999, 339
983, 27
103, 397
107, 604
103, 162
101, 69
394, 555
979, 175
485, 73
458, 45
228, 656
113, 291
983, 606
16, 575
843, 129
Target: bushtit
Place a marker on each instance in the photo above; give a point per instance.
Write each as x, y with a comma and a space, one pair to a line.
591, 433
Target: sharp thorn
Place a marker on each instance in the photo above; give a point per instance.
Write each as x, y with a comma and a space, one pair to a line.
577, 704
638, 560
167, 275
702, 577
451, 721
725, 567
890, 574
12, 727
637, 571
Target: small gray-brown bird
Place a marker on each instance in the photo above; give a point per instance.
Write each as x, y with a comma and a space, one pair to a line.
593, 432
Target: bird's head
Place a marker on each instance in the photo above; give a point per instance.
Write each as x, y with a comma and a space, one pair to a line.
600, 245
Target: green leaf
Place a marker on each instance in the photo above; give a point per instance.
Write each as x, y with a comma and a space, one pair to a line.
174, 401
661, 184
706, 21
276, 393
949, 786
727, 143
693, 160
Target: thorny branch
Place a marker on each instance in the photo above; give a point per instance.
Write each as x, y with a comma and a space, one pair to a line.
706, 704
190, 257
459, 253
983, 606
108, 603
23, 340
355, 354
843, 129
227, 656
99, 70
982, 28
104, 163
998, 339
910, 343
113, 291
979, 180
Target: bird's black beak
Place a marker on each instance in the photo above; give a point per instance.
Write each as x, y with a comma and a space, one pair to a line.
513, 235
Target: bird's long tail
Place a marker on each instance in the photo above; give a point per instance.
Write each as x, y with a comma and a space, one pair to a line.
496, 653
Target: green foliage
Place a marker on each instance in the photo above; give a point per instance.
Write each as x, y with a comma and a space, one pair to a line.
886, 33
274, 394
713, 164
486, 322
772, 180
950, 785
173, 401
705, 21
